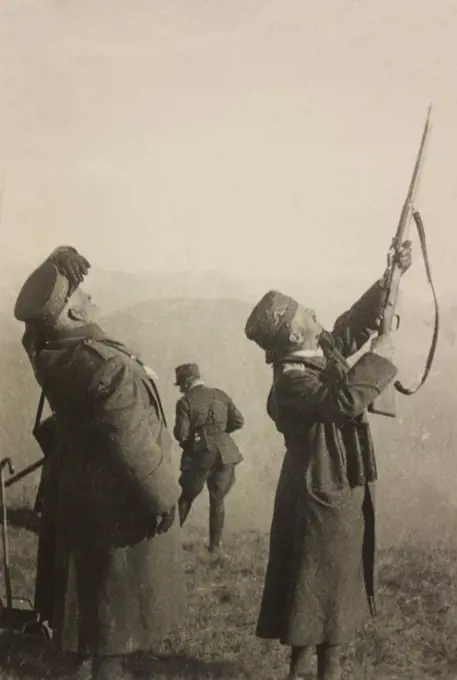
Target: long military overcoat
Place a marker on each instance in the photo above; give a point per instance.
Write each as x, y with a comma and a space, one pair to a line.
321, 560
106, 580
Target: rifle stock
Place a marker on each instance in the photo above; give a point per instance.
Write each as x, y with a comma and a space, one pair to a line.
385, 404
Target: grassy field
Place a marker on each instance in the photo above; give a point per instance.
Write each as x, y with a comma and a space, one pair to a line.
413, 636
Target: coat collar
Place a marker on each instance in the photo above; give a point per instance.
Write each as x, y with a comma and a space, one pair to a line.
196, 383
63, 338
313, 359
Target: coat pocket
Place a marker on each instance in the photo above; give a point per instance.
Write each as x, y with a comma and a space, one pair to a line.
326, 475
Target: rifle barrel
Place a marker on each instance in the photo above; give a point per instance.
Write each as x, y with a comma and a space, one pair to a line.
413, 183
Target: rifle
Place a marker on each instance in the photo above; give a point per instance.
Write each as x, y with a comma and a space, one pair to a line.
385, 404
25, 472
44, 432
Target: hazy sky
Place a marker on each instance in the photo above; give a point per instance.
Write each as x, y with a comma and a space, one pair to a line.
248, 135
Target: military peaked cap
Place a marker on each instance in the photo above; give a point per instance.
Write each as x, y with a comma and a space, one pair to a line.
43, 295
186, 371
269, 323
48, 288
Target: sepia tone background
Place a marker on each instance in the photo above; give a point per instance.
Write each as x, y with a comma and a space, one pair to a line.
200, 153
217, 149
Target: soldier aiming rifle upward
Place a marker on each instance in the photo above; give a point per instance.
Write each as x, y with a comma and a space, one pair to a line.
320, 574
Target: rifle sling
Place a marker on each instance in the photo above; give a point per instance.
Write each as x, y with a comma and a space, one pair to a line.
421, 232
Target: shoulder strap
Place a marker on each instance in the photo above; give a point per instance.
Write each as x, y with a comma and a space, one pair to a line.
39, 412
421, 232
158, 399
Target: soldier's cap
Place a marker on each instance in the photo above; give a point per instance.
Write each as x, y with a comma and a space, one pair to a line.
44, 294
185, 371
269, 323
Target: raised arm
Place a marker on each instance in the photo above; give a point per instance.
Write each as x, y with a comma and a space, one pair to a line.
312, 395
354, 327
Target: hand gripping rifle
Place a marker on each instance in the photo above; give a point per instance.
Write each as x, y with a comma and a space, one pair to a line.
388, 319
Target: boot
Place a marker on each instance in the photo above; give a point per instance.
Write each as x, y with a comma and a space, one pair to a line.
216, 524
301, 663
329, 662
184, 509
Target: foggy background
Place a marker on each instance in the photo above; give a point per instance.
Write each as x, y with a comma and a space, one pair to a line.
200, 153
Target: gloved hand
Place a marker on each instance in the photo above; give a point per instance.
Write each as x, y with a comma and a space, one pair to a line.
166, 521
70, 264
383, 345
404, 258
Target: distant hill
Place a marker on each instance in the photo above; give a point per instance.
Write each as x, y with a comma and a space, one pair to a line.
165, 333
416, 457
210, 332
114, 291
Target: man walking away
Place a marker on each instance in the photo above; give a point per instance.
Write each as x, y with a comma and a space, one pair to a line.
205, 417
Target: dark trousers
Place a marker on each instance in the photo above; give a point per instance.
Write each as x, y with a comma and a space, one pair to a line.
219, 479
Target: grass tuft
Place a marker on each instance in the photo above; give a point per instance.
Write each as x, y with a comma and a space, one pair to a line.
414, 635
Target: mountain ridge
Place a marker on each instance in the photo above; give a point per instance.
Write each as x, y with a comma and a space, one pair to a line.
415, 450
115, 291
